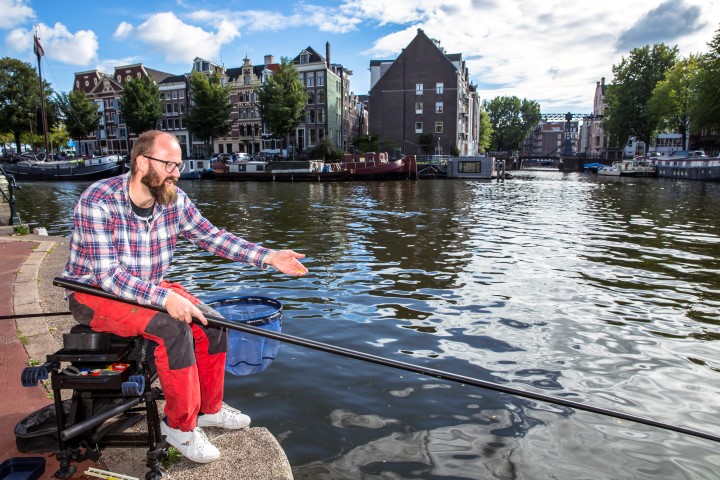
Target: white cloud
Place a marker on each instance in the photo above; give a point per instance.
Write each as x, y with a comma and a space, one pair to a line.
123, 31
180, 42
536, 49
79, 48
14, 12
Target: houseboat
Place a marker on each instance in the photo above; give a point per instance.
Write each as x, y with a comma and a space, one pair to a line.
289, 171
471, 167
31, 168
377, 166
694, 167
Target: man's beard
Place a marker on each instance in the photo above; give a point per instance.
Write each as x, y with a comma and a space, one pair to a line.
162, 193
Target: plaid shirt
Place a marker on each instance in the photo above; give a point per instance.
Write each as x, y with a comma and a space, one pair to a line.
126, 255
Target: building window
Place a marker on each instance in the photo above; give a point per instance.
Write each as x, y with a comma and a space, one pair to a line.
438, 107
174, 95
246, 80
304, 58
439, 88
418, 88
418, 107
321, 115
438, 127
320, 79
311, 98
311, 116
418, 127
310, 80
181, 94
321, 97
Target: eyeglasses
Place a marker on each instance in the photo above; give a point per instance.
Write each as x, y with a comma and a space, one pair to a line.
169, 166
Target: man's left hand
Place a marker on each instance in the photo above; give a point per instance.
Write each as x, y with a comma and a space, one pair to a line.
286, 261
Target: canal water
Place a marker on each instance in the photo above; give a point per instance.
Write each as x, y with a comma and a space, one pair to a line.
599, 291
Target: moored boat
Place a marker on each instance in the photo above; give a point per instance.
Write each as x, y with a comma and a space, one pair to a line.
629, 168
288, 171
689, 168
377, 166
73, 169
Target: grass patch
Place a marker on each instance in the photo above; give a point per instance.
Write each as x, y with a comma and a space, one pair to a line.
174, 456
23, 339
21, 230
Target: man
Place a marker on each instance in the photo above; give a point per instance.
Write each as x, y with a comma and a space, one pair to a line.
124, 236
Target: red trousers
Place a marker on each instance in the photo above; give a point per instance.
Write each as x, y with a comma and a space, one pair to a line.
190, 358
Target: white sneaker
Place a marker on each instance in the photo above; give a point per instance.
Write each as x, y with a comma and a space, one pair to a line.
194, 444
227, 417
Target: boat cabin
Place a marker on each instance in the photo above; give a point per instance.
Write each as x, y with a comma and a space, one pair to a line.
471, 167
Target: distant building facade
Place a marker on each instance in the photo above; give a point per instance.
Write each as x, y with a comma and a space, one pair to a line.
112, 136
424, 92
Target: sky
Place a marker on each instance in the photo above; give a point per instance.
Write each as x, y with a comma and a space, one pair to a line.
549, 51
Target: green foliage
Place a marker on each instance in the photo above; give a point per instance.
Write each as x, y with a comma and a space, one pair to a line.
707, 106
21, 230
141, 105
366, 143
426, 142
672, 98
81, 114
510, 121
635, 78
209, 114
325, 149
386, 144
282, 100
485, 131
19, 98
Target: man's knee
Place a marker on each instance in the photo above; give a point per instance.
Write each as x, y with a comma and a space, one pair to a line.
177, 338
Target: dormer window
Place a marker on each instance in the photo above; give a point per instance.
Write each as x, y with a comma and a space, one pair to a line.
304, 58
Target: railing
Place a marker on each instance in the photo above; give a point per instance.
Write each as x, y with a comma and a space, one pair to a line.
9, 196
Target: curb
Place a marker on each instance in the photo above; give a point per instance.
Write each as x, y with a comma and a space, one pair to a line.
26, 299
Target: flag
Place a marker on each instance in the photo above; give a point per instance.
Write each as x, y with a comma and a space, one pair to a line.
37, 48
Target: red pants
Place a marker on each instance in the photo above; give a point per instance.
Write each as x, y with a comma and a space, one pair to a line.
190, 358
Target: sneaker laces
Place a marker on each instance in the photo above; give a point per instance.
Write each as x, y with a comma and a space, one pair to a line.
201, 440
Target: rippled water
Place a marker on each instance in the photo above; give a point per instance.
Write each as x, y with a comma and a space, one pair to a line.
604, 292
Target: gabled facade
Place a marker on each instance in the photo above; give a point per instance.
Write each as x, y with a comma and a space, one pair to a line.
246, 135
105, 91
174, 95
424, 92
593, 141
207, 68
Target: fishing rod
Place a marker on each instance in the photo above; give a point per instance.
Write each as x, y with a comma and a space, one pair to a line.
33, 315
387, 362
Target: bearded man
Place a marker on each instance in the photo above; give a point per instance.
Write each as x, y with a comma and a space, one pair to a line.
123, 240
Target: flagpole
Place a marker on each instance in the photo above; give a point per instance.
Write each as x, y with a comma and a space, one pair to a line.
39, 53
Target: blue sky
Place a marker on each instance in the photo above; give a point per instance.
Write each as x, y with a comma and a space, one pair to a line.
550, 51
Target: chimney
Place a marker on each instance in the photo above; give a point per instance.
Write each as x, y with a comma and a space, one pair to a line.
269, 60
327, 54
602, 81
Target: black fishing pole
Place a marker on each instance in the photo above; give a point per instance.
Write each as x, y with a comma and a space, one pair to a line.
345, 352
33, 315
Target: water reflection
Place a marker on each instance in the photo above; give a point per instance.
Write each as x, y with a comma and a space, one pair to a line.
605, 292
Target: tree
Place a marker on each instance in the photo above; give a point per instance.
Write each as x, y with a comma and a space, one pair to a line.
706, 111
325, 149
19, 98
485, 131
635, 78
140, 105
366, 143
426, 141
81, 114
511, 119
209, 114
282, 100
673, 98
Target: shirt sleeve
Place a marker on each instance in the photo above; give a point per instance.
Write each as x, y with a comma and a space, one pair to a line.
94, 232
204, 234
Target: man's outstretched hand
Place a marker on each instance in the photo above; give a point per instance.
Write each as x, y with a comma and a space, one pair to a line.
286, 261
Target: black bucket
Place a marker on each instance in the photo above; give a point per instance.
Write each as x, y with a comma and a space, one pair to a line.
248, 353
